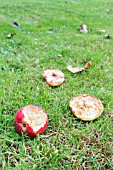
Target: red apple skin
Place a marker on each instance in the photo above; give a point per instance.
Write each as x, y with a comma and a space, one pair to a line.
19, 123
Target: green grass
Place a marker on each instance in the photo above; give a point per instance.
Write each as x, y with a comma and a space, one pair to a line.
46, 30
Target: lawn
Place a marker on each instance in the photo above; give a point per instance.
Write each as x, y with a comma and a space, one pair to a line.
48, 36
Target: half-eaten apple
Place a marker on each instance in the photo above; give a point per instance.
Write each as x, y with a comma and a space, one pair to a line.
54, 77
31, 120
86, 107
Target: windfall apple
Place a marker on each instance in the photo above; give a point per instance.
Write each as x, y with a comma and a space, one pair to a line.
54, 77
31, 120
86, 107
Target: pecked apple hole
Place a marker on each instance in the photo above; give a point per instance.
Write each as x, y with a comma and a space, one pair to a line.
54, 75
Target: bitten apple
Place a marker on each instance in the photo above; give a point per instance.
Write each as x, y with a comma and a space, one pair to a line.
31, 120
54, 77
86, 107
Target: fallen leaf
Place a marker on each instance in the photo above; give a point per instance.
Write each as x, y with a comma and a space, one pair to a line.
15, 24
75, 70
83, 28
79, 69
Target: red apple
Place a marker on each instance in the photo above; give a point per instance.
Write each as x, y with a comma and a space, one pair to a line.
31, 120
